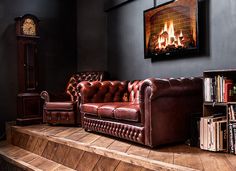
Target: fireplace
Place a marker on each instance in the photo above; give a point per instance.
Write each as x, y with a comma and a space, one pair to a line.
170, 30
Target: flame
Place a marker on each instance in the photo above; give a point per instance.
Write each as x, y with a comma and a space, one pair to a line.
168, 37
165, 26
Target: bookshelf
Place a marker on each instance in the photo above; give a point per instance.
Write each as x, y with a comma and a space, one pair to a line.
218, 110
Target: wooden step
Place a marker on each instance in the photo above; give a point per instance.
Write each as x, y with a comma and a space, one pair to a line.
25, 160
81, 150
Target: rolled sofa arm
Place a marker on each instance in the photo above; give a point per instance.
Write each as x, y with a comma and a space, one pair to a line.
152, 85
166, 106
102, 91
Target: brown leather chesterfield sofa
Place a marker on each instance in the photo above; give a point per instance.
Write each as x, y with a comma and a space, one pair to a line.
62, 108
150, 112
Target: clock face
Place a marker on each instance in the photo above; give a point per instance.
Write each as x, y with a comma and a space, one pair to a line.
29, 27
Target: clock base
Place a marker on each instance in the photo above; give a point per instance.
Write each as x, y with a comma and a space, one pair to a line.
29, 108
29, 121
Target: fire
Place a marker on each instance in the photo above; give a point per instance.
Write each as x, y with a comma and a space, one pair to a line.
168, 37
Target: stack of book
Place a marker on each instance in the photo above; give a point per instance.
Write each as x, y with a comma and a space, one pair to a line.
218, 89
213, 133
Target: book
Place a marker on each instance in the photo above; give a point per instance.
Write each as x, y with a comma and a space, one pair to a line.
208, 93
228, 90
222, 135
231, 139
231, 112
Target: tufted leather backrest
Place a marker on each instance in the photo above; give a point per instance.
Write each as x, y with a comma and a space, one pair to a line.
71, 87
105, 91
134, 91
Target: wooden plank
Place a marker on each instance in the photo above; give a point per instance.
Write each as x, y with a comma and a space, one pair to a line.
73, 158
15, 137
31, 143
61, 153
44, 164
144, 169
7, 152
67, 132
232, 161
123, 166
90, 138
19, 153
56, 130
40, 146
162, 154
77, 135
50, 150
88, 161
106, 164
23, 141
188, 160
19, 163
63, 168
8, 149
119, 146
28, 158
9, 130
137, 150
216, 162
103, 142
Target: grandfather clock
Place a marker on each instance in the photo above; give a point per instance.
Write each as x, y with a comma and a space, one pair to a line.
28, 98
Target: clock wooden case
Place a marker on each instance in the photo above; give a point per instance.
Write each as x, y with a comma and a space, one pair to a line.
28, 99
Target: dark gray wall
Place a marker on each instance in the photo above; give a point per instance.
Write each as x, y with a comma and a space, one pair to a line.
57, 48
91, 35
126, 52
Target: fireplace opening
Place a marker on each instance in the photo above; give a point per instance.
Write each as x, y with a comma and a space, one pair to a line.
171, 28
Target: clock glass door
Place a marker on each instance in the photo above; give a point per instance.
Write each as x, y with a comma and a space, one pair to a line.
30, 67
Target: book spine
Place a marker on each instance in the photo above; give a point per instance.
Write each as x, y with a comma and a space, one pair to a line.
202, 133
234, 136
231, 139
217, 136
224, 135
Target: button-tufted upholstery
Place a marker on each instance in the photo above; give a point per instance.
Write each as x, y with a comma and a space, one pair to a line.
63, 108
151, 112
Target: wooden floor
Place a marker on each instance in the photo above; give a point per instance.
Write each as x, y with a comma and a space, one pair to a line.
72, 148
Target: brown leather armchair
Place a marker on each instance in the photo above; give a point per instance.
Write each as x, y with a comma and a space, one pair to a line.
62, 108
150, 112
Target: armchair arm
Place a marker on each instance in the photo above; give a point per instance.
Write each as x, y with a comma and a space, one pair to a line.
50, 96
45, 96
102, 91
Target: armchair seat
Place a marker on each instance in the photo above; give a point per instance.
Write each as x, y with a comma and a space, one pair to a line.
67, 106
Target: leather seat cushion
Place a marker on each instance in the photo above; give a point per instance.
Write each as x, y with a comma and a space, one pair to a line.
90, 108
107, 110
125, 111
59, 106
129, 112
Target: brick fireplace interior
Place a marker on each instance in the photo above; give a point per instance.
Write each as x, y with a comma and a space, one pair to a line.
171, 27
